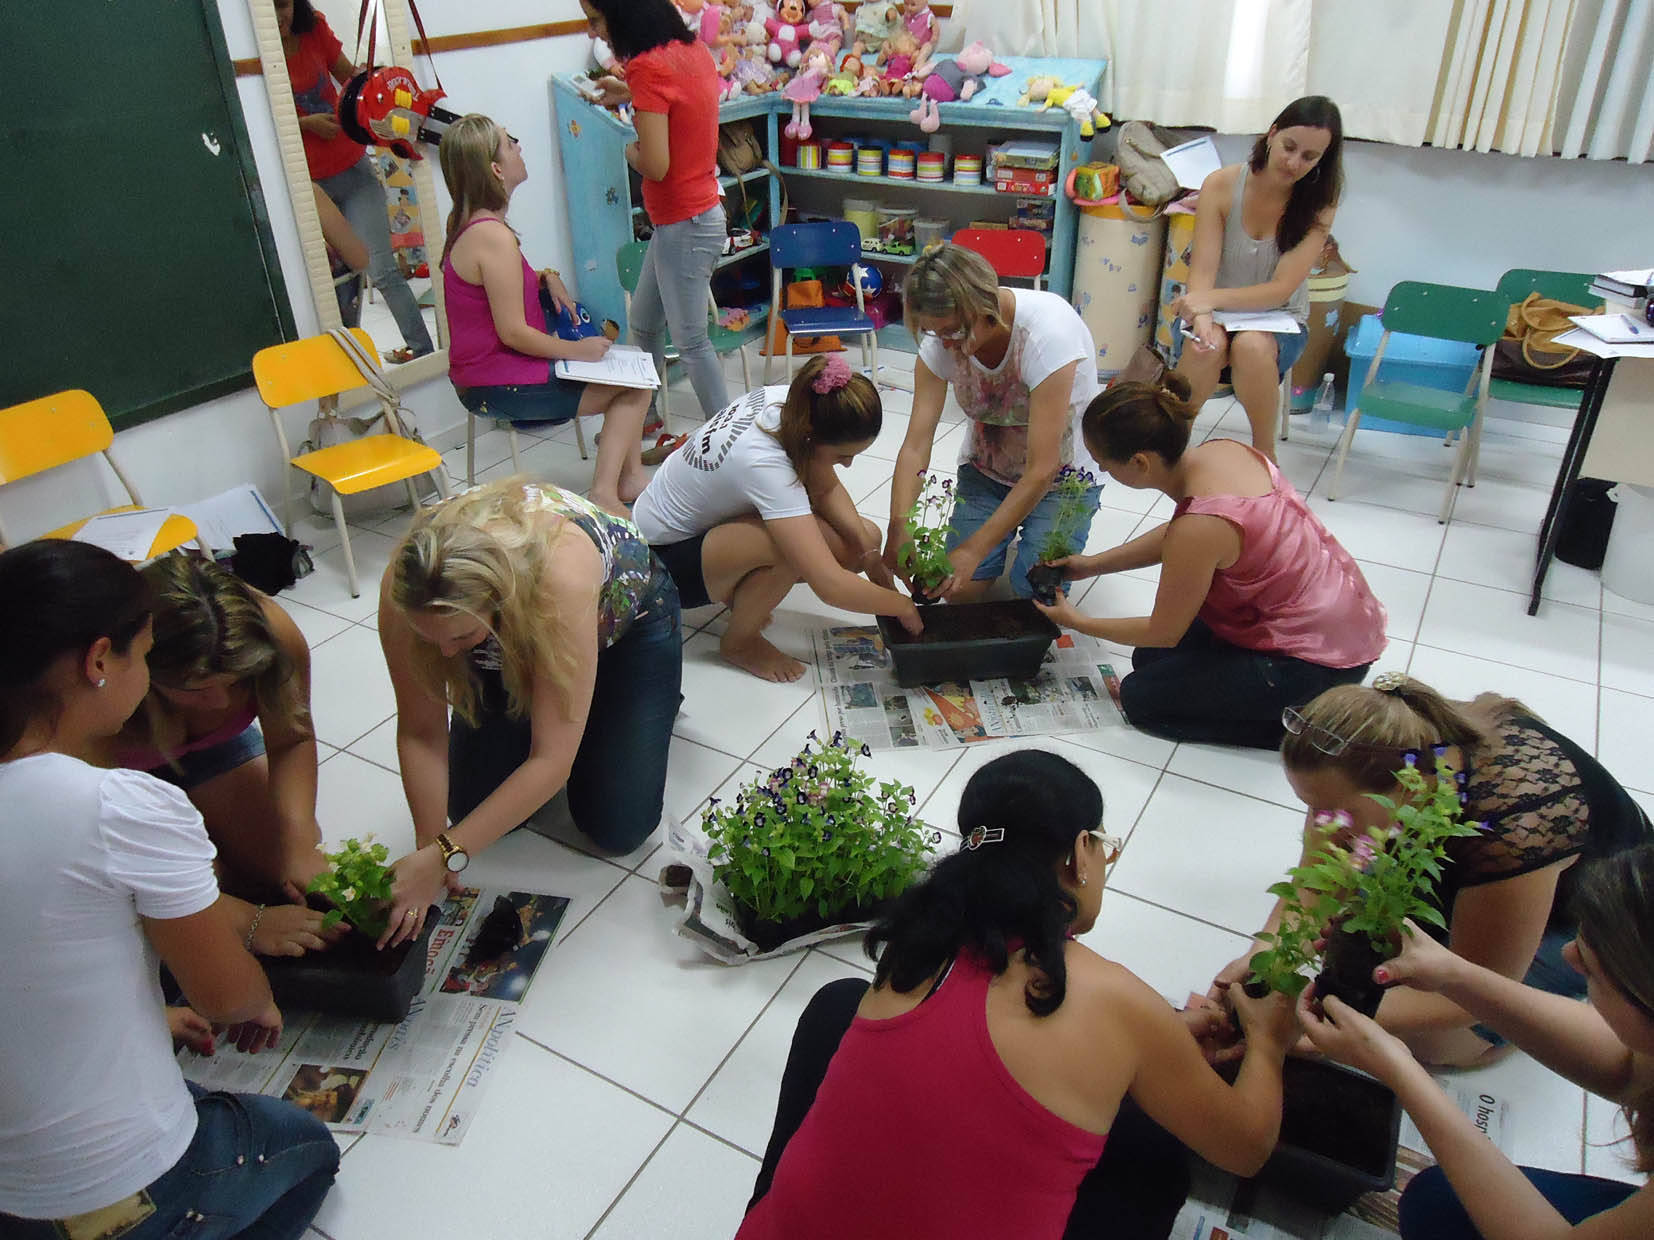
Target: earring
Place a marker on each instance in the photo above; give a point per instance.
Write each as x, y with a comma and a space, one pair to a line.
102, 681
1082, 880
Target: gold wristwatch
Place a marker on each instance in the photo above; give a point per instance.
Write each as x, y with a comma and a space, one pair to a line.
453, 856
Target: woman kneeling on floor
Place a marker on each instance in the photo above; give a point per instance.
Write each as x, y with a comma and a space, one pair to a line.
752, 504
552, 632
973, 1085
1259, 608
1543, 803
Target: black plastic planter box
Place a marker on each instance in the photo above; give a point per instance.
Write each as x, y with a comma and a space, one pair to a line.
351, 978
1338, 1135
970, 641
769, 935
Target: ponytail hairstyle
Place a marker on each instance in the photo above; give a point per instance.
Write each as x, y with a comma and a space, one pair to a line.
1613, 906
991, 899
1130, 418
949, 281
827, 404
1322, 185
57, 597
1377, 726
467, 154
208, 622
638, 26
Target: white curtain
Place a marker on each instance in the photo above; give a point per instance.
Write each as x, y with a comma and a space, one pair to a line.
1380, 63
1501, 76
1607, 109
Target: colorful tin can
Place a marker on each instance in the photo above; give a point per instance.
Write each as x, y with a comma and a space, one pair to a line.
841, 157
809, 155
967, 170
901, 164
932, 166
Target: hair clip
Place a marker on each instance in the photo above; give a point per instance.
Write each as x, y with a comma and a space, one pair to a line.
834, 374
1390, 682
978, 836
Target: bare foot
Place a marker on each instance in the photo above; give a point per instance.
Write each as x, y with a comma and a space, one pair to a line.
756, 655
631, 485
612, 503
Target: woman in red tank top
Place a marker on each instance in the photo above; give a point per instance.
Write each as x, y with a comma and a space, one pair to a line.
1259, 607
972, 1087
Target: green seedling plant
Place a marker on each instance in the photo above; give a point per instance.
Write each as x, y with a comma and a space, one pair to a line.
357, 883
924, 556
1072, 487
817, 834
1370, 886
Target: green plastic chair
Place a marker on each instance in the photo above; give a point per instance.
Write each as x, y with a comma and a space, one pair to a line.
629, 266
1443, 312
1570, 286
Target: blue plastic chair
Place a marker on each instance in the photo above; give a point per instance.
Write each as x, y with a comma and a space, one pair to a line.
1445, 312
827, 243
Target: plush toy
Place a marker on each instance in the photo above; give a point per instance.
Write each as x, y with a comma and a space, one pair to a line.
844, 79
829, 23
1037, 89
1079, 103
876, 21
755, 73
789, 33
603, 57
959, 78
805, 89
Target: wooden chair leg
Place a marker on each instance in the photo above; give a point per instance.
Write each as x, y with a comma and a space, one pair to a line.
746, 370
1283, 405
580, 438
470, 449
1475, 448
1460, 459
344, 543
1344, 441
511, 438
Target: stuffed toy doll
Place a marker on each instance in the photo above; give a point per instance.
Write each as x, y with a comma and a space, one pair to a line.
789, 32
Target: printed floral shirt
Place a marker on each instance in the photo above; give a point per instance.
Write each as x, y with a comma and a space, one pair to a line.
628, 564
997, 404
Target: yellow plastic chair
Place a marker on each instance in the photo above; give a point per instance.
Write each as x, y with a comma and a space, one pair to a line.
318, 369
54, 430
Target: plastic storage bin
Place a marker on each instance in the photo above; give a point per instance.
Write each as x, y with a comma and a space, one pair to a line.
1443, 364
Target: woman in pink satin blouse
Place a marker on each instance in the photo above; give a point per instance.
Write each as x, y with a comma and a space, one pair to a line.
1258, 608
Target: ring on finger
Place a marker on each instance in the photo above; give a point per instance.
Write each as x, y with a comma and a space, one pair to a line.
411, 913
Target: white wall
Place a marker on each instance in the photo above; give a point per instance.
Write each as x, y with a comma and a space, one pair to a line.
1442, 215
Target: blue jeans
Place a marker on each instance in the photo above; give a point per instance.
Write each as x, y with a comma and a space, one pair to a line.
361, 198
674, 289
1430, 1209
617, 784
258, 1168
195, 769
979, 496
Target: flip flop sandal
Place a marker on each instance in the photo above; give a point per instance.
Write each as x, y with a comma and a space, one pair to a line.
664, 447
654, 426
399, 357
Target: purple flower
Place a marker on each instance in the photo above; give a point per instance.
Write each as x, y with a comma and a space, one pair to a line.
1410, 758
711, 801
825, 836
866, 750
1363, 851
801, 797
766, 852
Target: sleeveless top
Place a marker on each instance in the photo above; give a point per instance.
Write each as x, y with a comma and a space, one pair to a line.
147, 758
477, 357
919, 1129
1294, 590
629, 566
1246, 261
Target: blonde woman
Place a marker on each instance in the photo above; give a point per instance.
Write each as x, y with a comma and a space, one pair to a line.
499, 350
550, 629
1543, 803
752, 504
1023, 367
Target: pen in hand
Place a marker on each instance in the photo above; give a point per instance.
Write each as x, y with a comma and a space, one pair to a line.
1193, 337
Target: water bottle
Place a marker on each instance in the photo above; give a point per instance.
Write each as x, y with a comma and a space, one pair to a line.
1320, 415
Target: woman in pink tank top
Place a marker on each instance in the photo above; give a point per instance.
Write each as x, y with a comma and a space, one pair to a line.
1259, 607
500, 352
969, 1092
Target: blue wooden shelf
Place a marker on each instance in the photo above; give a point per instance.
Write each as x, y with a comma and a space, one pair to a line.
902, 183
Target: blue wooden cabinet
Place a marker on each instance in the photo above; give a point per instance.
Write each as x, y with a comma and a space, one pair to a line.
597, 181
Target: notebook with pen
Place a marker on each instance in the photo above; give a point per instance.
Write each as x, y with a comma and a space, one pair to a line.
623, 365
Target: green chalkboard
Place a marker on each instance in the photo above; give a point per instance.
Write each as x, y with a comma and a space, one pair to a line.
135, 250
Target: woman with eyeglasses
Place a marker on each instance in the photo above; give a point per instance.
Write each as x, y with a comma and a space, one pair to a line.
1474, 1191
1022, 366
1544, 805
1259, 607
998, 1078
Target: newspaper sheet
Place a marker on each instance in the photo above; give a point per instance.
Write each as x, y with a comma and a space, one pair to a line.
422, 1078
1076, 689
1221, 1207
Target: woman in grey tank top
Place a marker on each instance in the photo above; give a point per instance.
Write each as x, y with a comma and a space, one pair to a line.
1259, 228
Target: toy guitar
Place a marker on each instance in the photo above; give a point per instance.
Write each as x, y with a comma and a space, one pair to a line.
387, 107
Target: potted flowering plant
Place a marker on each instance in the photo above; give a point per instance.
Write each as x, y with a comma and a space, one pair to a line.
353, 977
1345, 904
924, 557
1071, 488
815, 843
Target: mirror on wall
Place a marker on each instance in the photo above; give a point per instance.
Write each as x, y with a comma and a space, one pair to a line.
367, 218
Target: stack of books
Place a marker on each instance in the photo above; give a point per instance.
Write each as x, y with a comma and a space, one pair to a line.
1024, 167
1626, 286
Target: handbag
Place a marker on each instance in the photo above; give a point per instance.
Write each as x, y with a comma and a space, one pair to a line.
738, 148
1147, 364
1527, 352
1145, 175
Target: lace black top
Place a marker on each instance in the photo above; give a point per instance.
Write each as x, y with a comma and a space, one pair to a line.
1544, 799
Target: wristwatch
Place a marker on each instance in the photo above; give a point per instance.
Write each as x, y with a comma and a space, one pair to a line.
453, 856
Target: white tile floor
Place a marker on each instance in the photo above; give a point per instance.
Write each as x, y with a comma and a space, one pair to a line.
641, 1085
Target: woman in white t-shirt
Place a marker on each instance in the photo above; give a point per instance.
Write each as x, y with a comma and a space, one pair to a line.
108, 873
752, 504
1023, 367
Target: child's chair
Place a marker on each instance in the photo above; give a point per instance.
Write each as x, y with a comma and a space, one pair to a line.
319, 369
1016, 253
1569, 286
824, 243
1444, 312
53, 430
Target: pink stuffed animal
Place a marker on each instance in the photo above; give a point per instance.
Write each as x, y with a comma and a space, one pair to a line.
805, 89
789, 32
959, 78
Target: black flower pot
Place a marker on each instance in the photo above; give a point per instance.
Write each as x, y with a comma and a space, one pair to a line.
769, 935
1045, 580
1347, 971
923, 597
970, 641
353, 978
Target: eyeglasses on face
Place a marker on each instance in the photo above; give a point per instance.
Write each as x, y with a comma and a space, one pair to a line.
1325, 740
1112, 846
950, 337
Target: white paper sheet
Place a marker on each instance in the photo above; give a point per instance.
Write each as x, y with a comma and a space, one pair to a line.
1193, 162
623, 365
1579, 338
1257, 321
1636, 277
240, 510
1615, 328
129, 535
